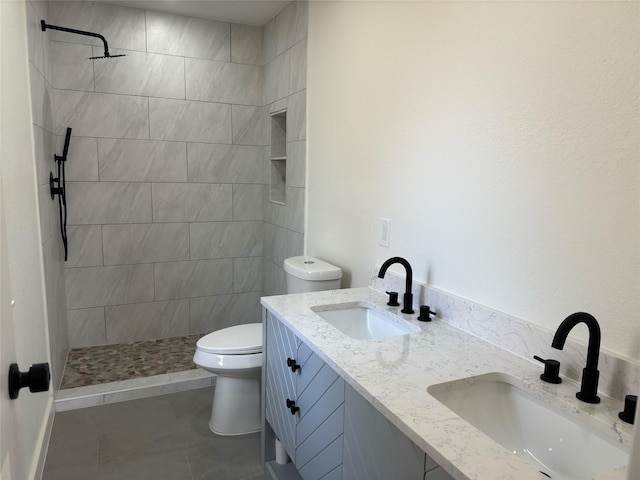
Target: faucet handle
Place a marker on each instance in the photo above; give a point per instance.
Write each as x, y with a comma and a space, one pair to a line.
425, 313
393, 299
551, 370
629, 413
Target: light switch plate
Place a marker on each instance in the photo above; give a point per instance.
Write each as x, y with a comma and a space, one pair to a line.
384, 232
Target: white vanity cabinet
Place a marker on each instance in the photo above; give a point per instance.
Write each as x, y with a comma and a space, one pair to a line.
375, 449
279, 382
303, 403
332, 433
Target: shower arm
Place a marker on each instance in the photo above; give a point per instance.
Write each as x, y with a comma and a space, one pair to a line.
45, 25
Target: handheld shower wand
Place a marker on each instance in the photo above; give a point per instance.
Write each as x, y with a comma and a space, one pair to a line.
61, 190
45, 25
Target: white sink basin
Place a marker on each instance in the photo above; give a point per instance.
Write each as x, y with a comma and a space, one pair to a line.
556, 443
361, 321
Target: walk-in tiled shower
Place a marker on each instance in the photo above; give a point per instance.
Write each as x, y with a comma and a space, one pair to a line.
170, 228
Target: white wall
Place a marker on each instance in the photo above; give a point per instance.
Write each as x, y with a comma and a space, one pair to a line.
500, 138
23, 458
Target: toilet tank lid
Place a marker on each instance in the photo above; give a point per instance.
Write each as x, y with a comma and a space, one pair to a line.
311, 268
236, 340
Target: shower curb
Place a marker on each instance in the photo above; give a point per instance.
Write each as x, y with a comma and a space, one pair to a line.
114, 392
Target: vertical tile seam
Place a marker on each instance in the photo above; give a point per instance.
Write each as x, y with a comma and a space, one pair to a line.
97, 158
233, 276
153, 270
189, 316
189, 230
230, 43
102, 243
104, 324
93, 70
146, 42
233, 205
184, 74
231, 122
148, 118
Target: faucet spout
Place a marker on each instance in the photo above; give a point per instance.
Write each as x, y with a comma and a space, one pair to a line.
589, 386
407, 303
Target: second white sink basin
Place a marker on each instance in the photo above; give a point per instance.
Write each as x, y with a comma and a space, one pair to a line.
556, 443
360, 321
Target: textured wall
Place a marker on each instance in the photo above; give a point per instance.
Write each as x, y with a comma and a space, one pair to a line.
500, 138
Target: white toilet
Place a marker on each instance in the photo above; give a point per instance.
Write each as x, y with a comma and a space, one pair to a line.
234, 354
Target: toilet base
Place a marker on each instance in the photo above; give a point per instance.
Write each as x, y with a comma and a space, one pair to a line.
236, 406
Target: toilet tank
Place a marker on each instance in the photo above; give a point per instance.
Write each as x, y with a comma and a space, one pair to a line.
309, 274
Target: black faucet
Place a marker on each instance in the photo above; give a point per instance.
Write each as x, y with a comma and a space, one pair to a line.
589, 387
407, 299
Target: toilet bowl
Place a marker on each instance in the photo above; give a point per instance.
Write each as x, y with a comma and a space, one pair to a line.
234, 354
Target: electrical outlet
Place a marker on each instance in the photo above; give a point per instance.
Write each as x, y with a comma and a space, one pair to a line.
384, 232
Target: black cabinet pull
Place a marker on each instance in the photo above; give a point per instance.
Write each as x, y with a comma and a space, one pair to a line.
291, 405
292, 364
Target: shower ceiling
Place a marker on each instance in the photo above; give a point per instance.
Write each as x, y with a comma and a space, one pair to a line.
248, 12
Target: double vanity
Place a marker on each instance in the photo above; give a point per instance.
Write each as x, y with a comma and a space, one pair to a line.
355, 389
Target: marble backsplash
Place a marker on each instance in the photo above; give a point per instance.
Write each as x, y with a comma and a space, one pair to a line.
619, 375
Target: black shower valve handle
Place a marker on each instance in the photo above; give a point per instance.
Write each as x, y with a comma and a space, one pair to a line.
55, 190
551, 370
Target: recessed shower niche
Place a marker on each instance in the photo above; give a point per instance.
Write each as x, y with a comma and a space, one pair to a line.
278, 167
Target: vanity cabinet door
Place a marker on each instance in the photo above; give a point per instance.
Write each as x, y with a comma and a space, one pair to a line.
280, 382
319, 432
312, 435
374, 449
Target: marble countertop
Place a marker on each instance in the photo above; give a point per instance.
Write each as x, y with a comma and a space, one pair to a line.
393, 374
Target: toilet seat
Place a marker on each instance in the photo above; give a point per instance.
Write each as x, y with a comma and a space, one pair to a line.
237, 340
217, 363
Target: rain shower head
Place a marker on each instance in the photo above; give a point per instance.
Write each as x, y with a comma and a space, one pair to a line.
45, 25
106, 55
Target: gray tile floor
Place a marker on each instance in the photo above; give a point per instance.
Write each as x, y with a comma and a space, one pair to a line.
165, 437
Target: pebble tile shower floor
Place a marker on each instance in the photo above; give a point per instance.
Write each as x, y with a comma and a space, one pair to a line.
111, 363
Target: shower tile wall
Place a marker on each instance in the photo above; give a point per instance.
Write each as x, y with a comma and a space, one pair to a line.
285, 57
170, 228
165, 172
46, 145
